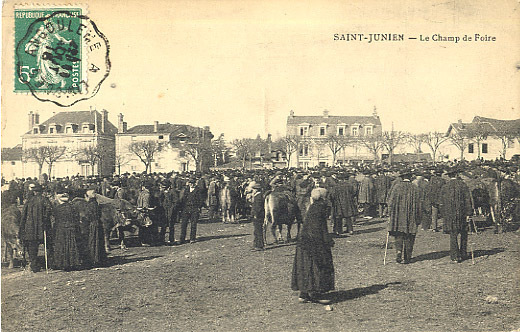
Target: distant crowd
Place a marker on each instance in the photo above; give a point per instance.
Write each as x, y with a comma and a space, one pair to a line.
75, 216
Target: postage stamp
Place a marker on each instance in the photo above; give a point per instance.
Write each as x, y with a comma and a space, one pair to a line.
61, 56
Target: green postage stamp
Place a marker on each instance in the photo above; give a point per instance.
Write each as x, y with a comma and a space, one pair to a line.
60, 55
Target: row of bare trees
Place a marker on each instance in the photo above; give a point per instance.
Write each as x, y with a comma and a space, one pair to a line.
50, 154
389, 141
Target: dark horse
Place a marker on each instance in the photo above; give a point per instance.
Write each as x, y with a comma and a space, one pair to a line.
281, 208
116, 215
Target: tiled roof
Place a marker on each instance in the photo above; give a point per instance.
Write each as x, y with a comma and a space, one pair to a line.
331, 119
77, 117
489, 125
164, 128
12, 154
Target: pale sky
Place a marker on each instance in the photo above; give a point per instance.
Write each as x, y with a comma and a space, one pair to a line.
241, 66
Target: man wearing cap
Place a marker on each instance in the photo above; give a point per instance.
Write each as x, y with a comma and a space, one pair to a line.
257, 214
455, 207
405, 209
35, 221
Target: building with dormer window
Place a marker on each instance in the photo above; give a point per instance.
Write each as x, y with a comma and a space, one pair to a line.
313, 133
173, 138
72, 131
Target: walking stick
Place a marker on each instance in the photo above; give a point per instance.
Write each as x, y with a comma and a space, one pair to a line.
45, 251
386, 247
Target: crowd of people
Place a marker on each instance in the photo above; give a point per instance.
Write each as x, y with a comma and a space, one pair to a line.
67, 216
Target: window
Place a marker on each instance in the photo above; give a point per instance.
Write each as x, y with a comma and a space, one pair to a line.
161, 136
304, 150
68, 130
35, 131
471, 148
341, 131
304, 131
322, 131
484, 148
368, 130
51, 130
354, 131
13, 163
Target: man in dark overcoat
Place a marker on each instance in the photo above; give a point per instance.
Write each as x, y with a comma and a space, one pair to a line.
382, 184
436, 183
193, 199
257, 215
35, 220
405, 209
343, 207
171, 208
455, 207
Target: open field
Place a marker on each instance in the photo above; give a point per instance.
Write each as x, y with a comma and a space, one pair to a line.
218, 284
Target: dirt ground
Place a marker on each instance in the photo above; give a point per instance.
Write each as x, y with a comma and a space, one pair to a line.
218, 284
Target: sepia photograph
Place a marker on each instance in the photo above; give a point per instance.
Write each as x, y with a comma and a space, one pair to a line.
260, 165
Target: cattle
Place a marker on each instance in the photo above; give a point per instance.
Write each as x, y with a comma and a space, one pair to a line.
281, 208
117, 215
228, 202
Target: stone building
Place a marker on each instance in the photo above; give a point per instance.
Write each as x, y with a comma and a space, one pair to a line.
179, 147
483, 138
315, 134
12, 163
70, 135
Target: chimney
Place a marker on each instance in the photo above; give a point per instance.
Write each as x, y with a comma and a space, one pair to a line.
104, 119
36, 118
31, 120
155, 126
125, 127
291, 114
374, 114
325, 113
120, 123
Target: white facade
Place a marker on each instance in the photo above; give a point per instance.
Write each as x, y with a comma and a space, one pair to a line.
490, 149
167, 160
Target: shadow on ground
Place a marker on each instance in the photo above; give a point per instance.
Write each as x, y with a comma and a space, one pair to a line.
369, 230
345, 295
215, 237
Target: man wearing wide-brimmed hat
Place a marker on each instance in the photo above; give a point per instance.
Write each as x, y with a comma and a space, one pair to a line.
405, 210
35, 222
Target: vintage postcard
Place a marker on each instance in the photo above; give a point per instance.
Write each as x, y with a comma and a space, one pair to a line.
341, 165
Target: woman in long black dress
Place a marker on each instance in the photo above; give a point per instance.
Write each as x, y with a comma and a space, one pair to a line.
66, 231
313, 269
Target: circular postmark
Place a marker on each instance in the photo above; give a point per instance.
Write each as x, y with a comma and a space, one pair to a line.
62, 57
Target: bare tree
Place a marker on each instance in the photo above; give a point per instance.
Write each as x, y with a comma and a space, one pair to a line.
416, 141
91, 154
374, 144
53, 154
37, 155
392, 139
289, 144
219, 150
434, 140
243, 149
120, 161
319, 144
145, 151
505, 139
335, 144
460, 141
